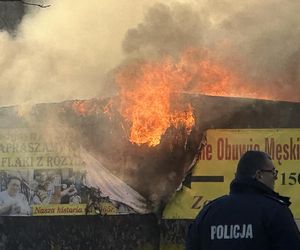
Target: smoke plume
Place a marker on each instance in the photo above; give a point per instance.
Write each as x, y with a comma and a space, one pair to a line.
258, 40
65, 51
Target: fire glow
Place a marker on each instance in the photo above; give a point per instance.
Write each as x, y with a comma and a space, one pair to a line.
146, 88
145, 92
91, 107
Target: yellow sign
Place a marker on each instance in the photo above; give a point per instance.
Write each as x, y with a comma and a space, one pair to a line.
216, 168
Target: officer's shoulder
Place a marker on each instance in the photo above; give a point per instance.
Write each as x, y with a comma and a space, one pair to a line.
276, 200
207, 207
215, 201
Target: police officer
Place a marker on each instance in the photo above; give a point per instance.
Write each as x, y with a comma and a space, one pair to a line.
251, 217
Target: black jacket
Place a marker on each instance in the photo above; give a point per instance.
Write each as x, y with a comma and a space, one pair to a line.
252, 217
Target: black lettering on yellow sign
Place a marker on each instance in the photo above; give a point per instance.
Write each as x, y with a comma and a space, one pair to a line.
289, 178
197, 202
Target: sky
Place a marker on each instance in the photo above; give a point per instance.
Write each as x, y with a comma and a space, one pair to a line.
72, 49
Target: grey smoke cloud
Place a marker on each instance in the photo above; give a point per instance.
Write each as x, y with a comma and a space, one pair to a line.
266, 38
166, 30
65, 51
259, 40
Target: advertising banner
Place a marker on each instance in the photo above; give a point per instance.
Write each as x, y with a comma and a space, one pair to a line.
216, 168
41, 177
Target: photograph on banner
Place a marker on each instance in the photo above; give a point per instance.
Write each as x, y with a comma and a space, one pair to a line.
15, 193
215, 170
57, 186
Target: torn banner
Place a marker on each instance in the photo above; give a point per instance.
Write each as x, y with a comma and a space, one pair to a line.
41, 177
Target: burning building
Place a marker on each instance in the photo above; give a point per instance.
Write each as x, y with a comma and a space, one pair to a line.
128, 151
140, 178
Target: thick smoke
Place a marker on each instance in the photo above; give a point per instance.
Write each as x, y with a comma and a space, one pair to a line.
65, 51
166, 31
266, 38
11, 14
259, 40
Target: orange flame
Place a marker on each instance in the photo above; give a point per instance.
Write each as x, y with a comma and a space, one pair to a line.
92, 107
185, 118
80, 107
145, 101
146, 88
209, 77
107, 109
